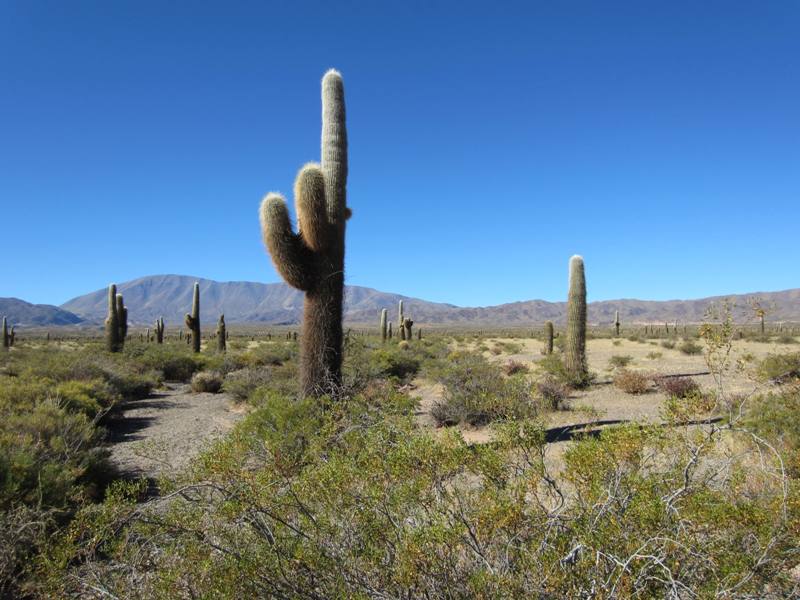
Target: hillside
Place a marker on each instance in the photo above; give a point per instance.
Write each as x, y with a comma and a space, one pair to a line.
277, 304
21, 313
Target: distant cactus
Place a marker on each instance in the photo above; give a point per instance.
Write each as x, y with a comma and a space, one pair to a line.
221, 334
160, 330
383, 324
147, 335
193, 320
419, 333
400, 318
575, 341
616, 323
313, 259
407, 334
6, 336
122, 320
389, 330
113, 343
548, 337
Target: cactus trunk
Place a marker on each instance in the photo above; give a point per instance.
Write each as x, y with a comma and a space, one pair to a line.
548, 337
407, 334
383, 324
575, 342
6, 337
193, 320
616, 323
221, 334
160, 330
312, 260
112, 321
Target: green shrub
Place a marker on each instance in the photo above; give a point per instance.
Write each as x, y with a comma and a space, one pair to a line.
242, 383
618, 361
780, 367
668, 344
691, 348
477, 393
88, 397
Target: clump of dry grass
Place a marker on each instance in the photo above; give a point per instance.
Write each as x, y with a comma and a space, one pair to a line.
632, 382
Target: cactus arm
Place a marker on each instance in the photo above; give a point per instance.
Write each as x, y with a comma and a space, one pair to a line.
292, 259
334, 147
309, 198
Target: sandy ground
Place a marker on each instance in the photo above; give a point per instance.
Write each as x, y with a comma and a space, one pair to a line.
160, 435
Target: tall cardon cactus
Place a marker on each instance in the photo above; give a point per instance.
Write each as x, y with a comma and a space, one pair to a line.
548, 337
222, 334
575, 341
122, 320
616, 323
6, 336
383, 324
113, 343
312, 260
193, 320
159, 330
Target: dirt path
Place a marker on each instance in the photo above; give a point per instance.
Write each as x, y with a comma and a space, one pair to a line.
160, 435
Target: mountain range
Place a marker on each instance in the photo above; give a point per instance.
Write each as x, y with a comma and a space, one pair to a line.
170, 296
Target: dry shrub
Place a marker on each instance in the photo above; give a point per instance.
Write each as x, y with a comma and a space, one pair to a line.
552, 392
512, 366
207, 382
632, 382
676, 387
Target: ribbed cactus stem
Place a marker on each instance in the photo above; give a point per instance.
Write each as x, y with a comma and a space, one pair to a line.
112, 321
407, 334
575, 341
389, 330
159, 328
6, 338
221, 334
616, 323
122, 320
548, 337
193, 320
384, 318
312, 260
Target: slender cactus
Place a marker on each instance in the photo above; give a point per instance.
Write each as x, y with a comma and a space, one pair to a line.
6, 337
419, 333
400, 316
383, 324
616, 323
575, 342
389, 330
193, 320
312, 260
159, 330
548, 337
407, 334
122, 320
222, 337
112, 321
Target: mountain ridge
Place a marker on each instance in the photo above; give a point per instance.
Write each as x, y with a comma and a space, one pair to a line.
169, 296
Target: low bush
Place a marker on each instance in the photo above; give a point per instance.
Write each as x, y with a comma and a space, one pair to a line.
207, 382
477, 393
676, 387
618, 361
512, 367
654, 355
552, 393
691, 348
786, 339
668, 344
242, 383
780, 367
632, 382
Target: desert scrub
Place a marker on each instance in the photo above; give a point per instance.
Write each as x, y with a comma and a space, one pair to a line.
175, 362
654, 355
476, 393
774, 417
632, 382
207, 382
264, 516
552, 393
617, 361
240, 384
691, 348
668, 344
780, 368
512, 367
676, 387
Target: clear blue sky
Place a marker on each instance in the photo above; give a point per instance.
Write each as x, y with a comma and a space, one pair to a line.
488, 143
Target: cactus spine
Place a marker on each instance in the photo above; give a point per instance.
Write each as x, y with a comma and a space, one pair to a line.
6, 336
112, 321
221, 334
383, 324
548, 337
193, 320
616, 323
312, 260
575, 342
160, 330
